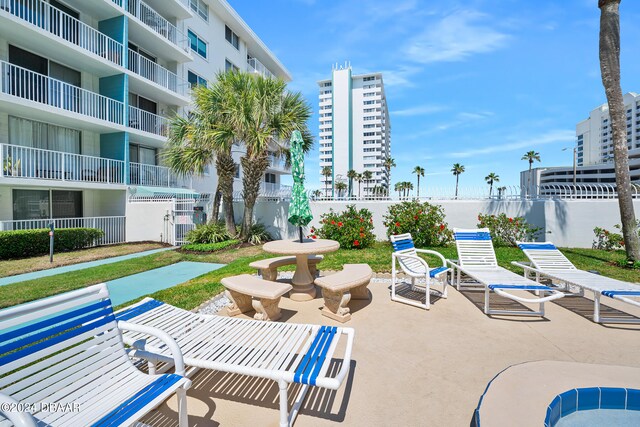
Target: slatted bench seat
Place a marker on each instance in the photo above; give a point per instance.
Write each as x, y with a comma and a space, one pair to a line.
269, 267
248, 292
340, 288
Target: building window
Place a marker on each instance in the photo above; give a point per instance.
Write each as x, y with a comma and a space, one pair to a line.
270, 178
201, 8
368, 79
197, 44
141, 154
229, 66
29, 133
231, 37
326, 84
195, 79
45, 204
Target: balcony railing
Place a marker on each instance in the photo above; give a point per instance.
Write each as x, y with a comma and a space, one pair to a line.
26, 84
155, 21
256, 66
156, 73
35, 163
277, 163
60, 24
151, 175
147, 122
113, 226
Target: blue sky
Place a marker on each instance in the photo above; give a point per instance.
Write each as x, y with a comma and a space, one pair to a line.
478, 82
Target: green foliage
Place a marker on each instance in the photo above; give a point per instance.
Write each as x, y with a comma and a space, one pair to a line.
352, 228
27, 243
506, 231
210, 247
213, 232
424, 221
610, 241
258, 234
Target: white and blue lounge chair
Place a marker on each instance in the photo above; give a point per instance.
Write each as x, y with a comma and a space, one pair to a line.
283, 352
477, 259
63, 359
546, 260
406, 255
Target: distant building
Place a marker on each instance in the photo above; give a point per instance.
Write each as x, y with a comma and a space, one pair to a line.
355, 130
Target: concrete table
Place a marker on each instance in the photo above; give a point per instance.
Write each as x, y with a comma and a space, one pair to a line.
303, 287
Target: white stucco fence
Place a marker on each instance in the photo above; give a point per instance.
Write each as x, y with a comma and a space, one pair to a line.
568, 223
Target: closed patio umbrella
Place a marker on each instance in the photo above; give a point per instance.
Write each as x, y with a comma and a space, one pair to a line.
299, 210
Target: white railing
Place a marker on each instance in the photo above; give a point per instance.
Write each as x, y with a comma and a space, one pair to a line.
257, 67
147, 122
156, 73
155, 21
36, 163
152, 175
26, 84
60, 24
268, 191
113, 226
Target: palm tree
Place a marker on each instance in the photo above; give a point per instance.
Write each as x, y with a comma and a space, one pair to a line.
501, 191
398, 187
610, 70
408, 187
326, 172
419, 171
366, 177
204, 138
359, 178
457, 169
351, 175
340, 187
530, 156
389, 163
491, 178
316, 194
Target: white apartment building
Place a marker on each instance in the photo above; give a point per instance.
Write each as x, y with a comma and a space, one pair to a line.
86, 89
355, 129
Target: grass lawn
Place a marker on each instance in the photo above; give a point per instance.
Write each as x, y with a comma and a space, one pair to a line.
27, 265
191, 294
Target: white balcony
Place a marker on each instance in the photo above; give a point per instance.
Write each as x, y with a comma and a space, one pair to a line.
277, 164
156, 73
148, 122
151, 175
255, 66
44, 17
113, 226
30, 86
268, 189
35, 163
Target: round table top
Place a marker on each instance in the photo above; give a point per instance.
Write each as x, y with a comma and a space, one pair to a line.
307, 247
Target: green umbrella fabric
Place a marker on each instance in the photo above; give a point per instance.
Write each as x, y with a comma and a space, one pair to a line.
299, 210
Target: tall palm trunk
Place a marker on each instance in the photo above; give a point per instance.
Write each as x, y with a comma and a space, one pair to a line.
253, 170
457, 177
610, 70
226, 169
490, 188
529, 178
350, 186
217, 199
359, 186
418, 189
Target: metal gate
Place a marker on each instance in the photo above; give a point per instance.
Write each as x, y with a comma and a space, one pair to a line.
181, 220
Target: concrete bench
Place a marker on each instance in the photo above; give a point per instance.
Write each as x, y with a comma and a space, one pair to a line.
269, 267
339, 288
247, 292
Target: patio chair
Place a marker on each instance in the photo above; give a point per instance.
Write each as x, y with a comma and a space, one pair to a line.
546, 260
406, 255
283, 352
477, 259
63, 361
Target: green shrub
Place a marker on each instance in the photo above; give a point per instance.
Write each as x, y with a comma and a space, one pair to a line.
28, 243
610, 241
353, 228
210, 247
424, 221
212, 232
506, 231
258, 234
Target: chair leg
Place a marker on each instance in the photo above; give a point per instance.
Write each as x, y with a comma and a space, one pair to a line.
486, 300
266, 309
335, 305
284, 404
183, 415
596, 307
240, 303
427, 294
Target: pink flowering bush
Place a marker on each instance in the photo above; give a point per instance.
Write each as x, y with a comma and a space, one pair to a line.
352, 228
506, 231
609, 240
424, 221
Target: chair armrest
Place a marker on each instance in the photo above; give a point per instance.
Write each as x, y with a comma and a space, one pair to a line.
335, 382
453, 262
17, 418
164, 337
438, 254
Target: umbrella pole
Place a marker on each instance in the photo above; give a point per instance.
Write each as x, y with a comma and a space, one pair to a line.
300, 229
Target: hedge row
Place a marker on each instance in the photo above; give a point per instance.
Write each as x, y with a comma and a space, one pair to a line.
28, 243
209, 247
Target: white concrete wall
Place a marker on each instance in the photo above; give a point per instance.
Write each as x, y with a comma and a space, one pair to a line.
565, 222
146, 221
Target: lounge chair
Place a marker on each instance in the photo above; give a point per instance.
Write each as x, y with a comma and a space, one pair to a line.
63, 360
547, 260
477, 259
406, 255
283, 352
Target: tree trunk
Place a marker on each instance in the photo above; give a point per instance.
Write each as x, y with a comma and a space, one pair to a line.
490, 189
528, 192
217, 198
610, 70
253, 173
226, 169
457, 177
418, 193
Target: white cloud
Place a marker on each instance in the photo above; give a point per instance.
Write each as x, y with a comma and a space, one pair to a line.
456, 37
551, 137
420, 110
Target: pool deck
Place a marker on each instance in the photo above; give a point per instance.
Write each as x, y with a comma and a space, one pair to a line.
73, 267
413, 367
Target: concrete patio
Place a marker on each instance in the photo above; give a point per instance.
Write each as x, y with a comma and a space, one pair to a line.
413, 367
